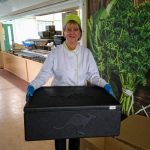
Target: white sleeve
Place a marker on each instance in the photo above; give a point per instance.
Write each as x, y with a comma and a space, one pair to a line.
45, 73
93, 74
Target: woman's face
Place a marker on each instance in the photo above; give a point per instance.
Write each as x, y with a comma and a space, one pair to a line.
72, 33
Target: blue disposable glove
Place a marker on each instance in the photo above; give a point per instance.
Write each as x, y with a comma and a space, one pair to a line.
108, 89
30, 90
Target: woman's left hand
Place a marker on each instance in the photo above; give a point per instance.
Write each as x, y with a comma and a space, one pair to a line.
109, 90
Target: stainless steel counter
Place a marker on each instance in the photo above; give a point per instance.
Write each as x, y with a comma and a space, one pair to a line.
37, 54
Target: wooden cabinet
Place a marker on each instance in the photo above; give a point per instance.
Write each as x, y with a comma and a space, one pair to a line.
24, 68
15, 65
33, 69
1, 60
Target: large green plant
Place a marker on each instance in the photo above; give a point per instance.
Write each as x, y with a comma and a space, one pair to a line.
94, 34
120, 42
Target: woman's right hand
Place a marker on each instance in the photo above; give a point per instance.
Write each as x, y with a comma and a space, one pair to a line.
30, 90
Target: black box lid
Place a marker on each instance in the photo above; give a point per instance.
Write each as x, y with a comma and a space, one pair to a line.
71, 98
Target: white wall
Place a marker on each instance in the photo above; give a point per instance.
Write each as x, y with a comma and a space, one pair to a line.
13, 7
25, 28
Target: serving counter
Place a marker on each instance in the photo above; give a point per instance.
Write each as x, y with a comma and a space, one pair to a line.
24, 68
15, 65
1, 62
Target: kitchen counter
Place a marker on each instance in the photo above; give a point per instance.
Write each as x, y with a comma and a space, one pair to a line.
36, 55
26, 69
1, 62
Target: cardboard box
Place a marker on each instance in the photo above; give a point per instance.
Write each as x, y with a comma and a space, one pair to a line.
134, 135
114, 144
92, 143
50, 28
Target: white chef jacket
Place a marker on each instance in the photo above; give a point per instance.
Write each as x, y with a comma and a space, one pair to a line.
69, 68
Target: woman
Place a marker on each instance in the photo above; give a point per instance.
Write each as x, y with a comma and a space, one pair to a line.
70, 65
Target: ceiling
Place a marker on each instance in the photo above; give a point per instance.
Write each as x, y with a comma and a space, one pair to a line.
11, 9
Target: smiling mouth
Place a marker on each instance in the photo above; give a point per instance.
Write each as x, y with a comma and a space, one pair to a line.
72, 36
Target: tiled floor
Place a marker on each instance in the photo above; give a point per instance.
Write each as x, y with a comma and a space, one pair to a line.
12, 101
